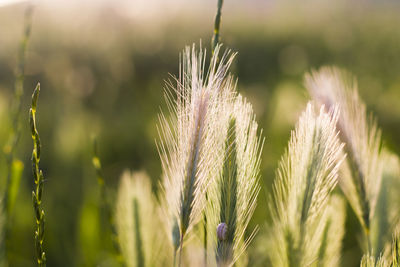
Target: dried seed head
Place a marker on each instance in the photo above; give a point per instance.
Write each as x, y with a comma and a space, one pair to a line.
222, 230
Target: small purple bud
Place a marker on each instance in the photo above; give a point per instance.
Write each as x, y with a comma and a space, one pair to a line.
222, 230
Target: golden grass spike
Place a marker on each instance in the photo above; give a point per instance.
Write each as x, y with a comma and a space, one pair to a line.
233, 197
362, 180
306, 175
191, 147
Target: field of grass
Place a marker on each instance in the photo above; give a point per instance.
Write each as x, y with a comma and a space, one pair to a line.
130, 176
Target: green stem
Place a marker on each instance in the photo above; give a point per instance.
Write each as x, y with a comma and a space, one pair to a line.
139, 244
205, 234
39, 181
180, 252
217, 23
174, 258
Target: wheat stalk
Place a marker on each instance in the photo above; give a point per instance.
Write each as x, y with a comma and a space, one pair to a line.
306, 175
362, 174
190, 138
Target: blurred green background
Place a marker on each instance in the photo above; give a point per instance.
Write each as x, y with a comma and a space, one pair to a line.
102, 67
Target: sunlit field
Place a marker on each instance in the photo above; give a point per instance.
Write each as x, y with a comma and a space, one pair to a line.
203, 133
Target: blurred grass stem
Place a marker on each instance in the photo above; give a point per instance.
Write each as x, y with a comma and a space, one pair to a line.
12, 142
107, 220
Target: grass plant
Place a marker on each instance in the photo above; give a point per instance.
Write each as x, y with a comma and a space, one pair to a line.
210, 148
191, 143
232, 198
362, 173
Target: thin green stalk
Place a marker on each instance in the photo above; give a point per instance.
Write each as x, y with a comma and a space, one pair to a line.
138, 240
217, 22
39, 181
174, 258
180, 252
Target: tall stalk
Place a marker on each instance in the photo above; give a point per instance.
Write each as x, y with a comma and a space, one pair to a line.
217, 22
39, 181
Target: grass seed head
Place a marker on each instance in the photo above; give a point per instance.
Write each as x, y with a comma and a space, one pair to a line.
306, 175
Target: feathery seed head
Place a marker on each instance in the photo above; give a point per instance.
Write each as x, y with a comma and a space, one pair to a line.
306, 175
233, 197
362, 174
191, 147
